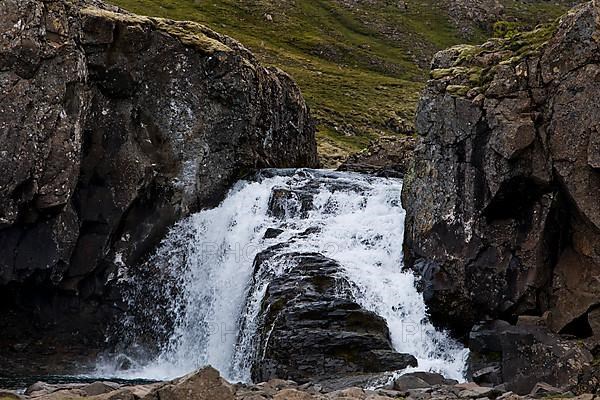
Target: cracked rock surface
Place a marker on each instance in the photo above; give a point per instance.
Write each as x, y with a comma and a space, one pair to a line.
112, 127
503, 199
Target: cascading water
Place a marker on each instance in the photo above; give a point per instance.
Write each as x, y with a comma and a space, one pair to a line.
354, 219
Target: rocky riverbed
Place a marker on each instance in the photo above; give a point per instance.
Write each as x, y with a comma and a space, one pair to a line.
206, 384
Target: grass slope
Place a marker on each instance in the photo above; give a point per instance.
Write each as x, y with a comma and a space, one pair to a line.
360, 63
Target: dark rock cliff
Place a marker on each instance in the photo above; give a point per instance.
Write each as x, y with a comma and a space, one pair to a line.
503, 199
113, 126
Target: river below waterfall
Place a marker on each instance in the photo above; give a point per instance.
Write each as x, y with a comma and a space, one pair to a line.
216, 296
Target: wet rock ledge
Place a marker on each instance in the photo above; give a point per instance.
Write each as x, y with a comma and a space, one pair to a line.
112, 127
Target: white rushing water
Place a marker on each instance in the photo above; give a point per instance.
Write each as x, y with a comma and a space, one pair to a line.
210, 255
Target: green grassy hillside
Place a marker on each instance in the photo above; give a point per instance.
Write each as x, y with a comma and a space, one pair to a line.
359, 63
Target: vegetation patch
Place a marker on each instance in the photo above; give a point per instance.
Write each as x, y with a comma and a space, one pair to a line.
190, 34
358, 64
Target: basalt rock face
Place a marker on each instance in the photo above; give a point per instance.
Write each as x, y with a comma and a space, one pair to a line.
503, 199
113, 126
311, 327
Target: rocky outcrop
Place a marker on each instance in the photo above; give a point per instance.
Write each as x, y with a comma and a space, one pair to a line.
311, 326
386, 156
113, 126
503, 205
470, 15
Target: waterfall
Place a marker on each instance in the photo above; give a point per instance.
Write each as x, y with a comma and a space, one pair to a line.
354, 219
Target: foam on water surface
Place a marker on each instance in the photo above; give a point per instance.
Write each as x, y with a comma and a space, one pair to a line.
356, 220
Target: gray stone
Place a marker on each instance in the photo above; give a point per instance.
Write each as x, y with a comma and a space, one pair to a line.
98, 388
406, 383
205, 384
312, 328
523, 356
471, 390
542, 389
431, 378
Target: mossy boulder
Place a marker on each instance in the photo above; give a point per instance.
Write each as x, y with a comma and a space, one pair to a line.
466, 67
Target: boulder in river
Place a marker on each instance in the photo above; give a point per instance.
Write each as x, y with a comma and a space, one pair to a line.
311, 326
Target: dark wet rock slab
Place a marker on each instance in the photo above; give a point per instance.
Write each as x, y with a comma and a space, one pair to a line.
311, 327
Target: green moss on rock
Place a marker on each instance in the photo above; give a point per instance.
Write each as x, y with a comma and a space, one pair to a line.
506, 29
189, 33
476, 66
458, 90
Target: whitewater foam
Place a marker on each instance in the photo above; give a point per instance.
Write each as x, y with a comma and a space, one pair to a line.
210, 258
